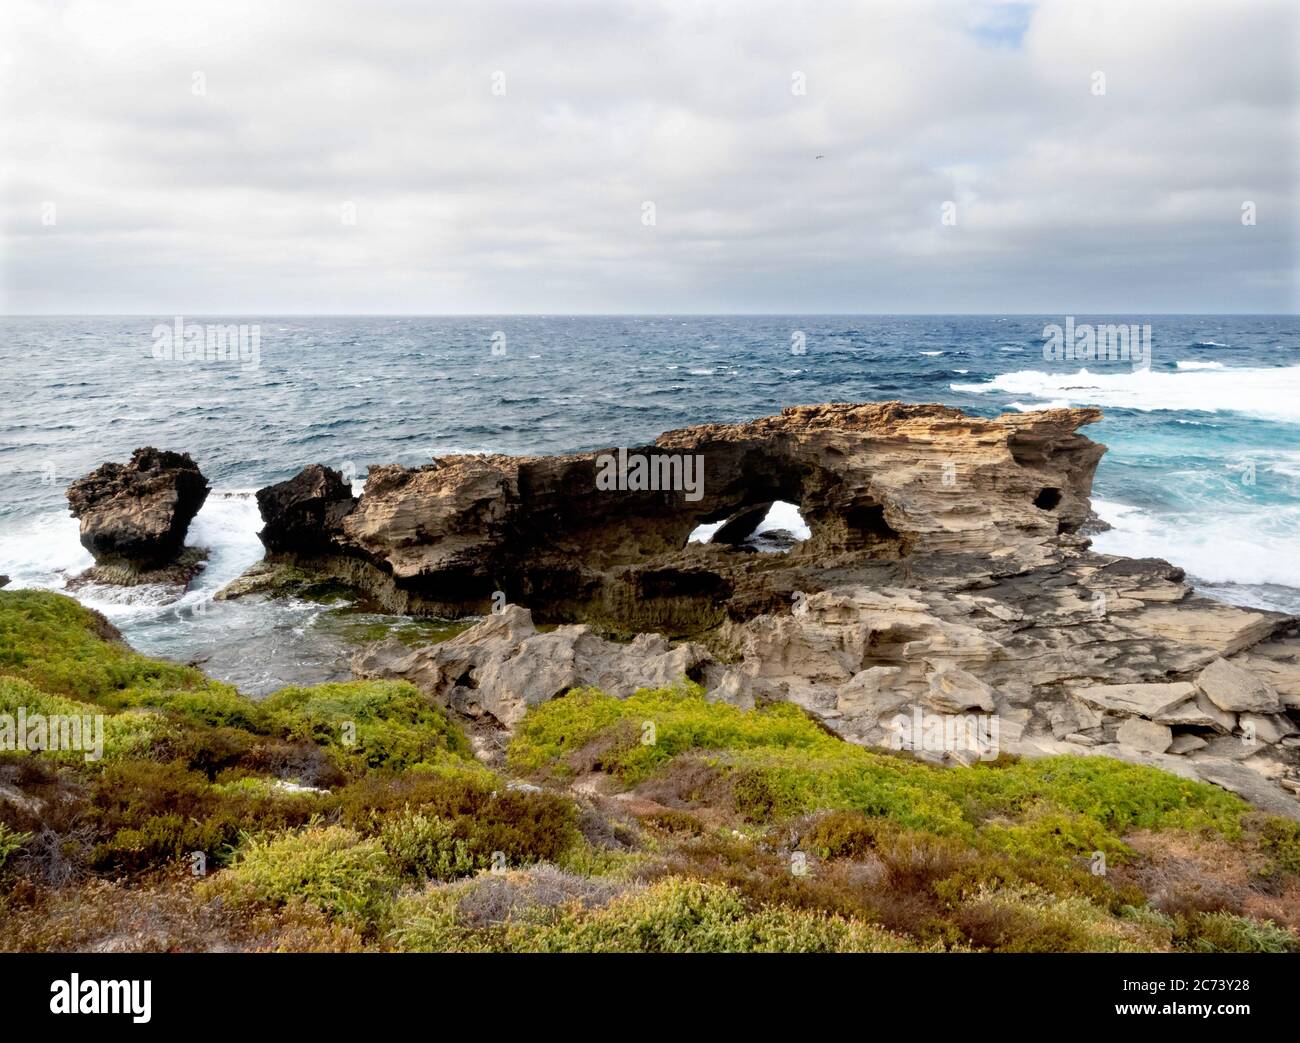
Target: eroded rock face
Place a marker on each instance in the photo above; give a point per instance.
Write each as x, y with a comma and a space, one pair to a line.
944, 591
503, 665
301, 513
135, 515
1024, 662
875, 483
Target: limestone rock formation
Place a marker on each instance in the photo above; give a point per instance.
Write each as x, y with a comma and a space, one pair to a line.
861, 659
945, 602
875, 483
493, 672
134, 516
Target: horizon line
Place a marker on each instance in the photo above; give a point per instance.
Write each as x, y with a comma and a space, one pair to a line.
644, 315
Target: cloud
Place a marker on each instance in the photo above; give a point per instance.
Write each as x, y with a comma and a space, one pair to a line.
201, 157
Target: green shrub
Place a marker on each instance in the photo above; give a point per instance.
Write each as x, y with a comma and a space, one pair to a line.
673, 915
781, 763
492, 823
448, 793
148, 814
369, 724
840, 834
429, 922
330, 867
216, 705
682, 720
677, 915
130, 734
1027, 919
65, 649
426, 846
1224, 932
11, 842
1280, 840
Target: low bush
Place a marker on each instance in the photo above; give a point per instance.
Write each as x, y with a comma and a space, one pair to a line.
367, 724
11, 842
330, 867
1226, 932
65, 649
676, 915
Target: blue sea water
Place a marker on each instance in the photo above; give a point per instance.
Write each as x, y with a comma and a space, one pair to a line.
1203, 467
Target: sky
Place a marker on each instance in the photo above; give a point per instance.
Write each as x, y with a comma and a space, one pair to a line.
268, 157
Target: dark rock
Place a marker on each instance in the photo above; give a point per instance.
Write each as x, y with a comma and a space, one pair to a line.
300, 514
136, 514
737, 529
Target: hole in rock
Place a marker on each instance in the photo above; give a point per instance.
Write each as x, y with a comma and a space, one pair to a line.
1048, 499
770, 528
868, 521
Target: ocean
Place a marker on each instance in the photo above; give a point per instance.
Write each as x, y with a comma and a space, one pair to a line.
1203, 467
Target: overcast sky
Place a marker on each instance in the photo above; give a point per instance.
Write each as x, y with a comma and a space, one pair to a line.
205, 157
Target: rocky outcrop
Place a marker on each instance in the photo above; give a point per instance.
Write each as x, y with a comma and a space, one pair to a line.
134, 516
603, 536
971, 664
300, 514
945, 601
493, 672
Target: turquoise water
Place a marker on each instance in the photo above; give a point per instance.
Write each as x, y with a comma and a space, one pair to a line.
1203, 467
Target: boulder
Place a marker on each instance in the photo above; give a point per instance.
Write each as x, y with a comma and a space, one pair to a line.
1248, 784
301, 512
1199, 712
1143, 700
1187, 743
1231, 688
137, 514
872, 691
953, 690
503, 665
1144, 736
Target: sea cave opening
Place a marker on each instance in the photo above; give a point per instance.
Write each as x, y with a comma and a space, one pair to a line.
768, 528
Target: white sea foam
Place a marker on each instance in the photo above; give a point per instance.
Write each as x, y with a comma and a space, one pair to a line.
1273, 393
1236, 547
48, 552
39, 552
1023, 407
1284, 463
782, 515
1192, 364
931, 353
704, 533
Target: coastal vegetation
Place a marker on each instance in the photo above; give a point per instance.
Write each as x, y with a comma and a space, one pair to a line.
355, 816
